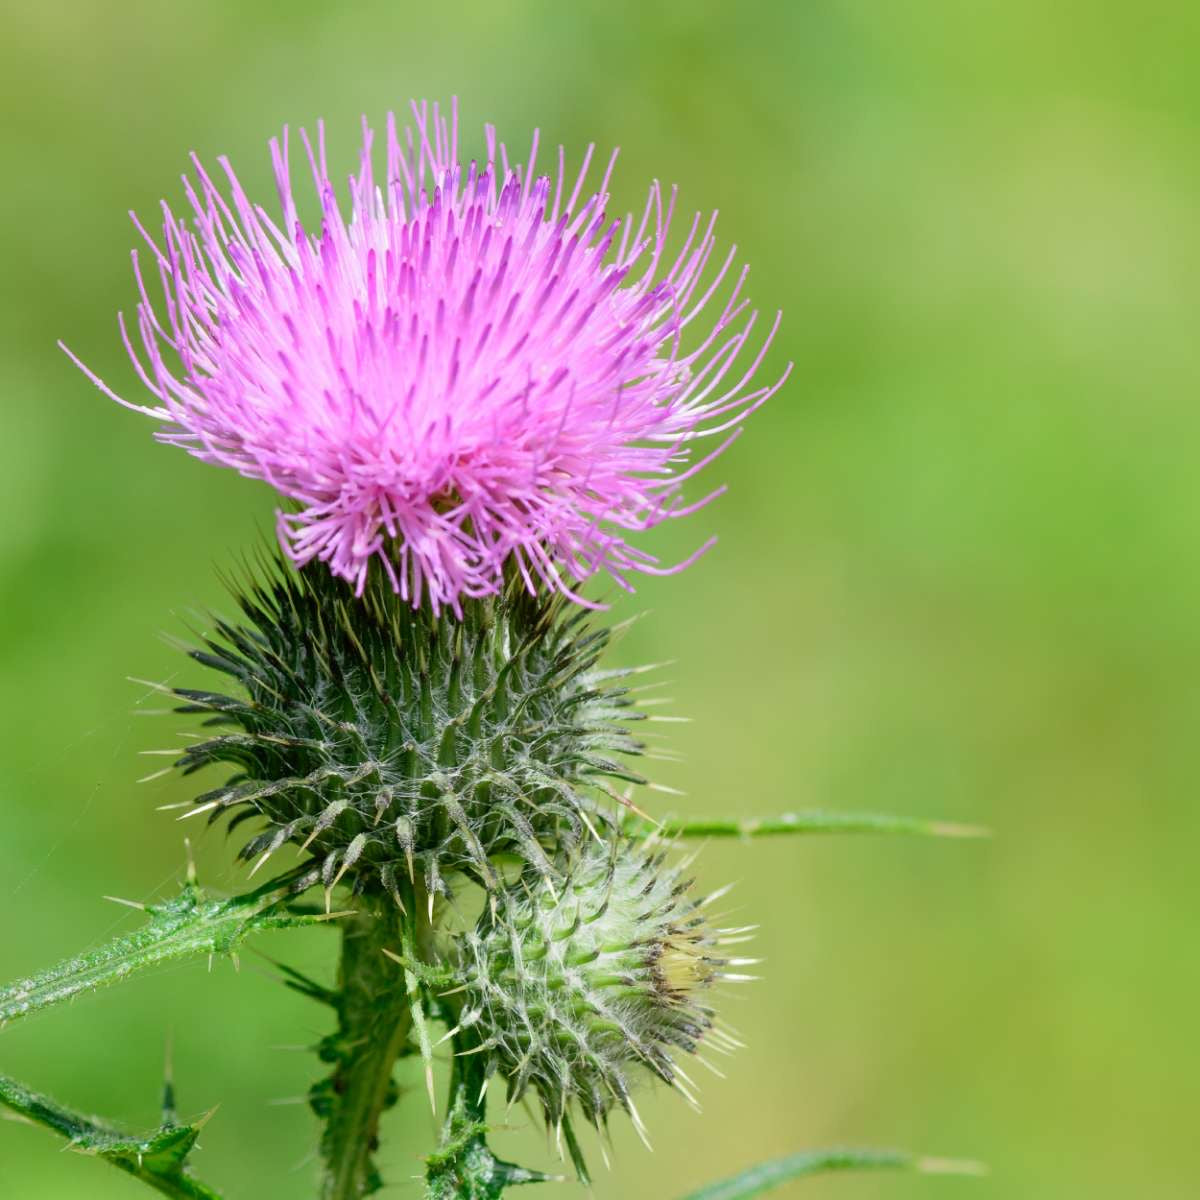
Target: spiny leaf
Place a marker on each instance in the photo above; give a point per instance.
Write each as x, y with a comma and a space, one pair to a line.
189, 925
768, 1175
816, 821
158, 1159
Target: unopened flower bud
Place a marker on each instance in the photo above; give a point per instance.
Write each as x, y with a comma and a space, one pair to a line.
396, 745
575, 987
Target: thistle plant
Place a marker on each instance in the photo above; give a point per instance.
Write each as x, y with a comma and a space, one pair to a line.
473, 389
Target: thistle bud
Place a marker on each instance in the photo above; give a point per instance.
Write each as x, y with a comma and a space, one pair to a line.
574, 988
393, 743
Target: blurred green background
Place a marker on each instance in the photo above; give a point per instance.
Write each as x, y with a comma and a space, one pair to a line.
958, 570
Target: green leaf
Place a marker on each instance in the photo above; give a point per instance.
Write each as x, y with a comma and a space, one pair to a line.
803, 822
192, 924
764, 1177
158, 1159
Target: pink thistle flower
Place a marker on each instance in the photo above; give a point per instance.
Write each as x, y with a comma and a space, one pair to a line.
476, 368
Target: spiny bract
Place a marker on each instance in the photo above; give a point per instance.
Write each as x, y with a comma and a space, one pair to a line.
385, 739
574, 987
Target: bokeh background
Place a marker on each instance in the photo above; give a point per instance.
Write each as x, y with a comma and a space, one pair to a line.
957, 576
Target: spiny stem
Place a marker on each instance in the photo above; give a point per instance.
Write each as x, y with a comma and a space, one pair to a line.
464, 1167
374, 1026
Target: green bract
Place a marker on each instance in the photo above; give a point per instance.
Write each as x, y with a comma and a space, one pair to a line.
385, 739
575, 987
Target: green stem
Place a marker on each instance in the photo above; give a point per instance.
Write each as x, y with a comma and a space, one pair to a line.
374, 1026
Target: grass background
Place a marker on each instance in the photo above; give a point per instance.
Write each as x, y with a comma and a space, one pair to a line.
958, 569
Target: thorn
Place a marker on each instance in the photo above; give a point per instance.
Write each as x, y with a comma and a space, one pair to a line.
254, 870
155, 775
169, 1116
655, 666
200, 1122
335, 916
157, 687
128, 903
713, 897
667, 791
638, 1125
237, 962
679, 1071
478, 1050
590, 828
201, 808
191, 860
724, 1040
337, 879
639, 688
627, 801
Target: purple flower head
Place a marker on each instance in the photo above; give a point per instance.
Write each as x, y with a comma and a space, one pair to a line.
476, 367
